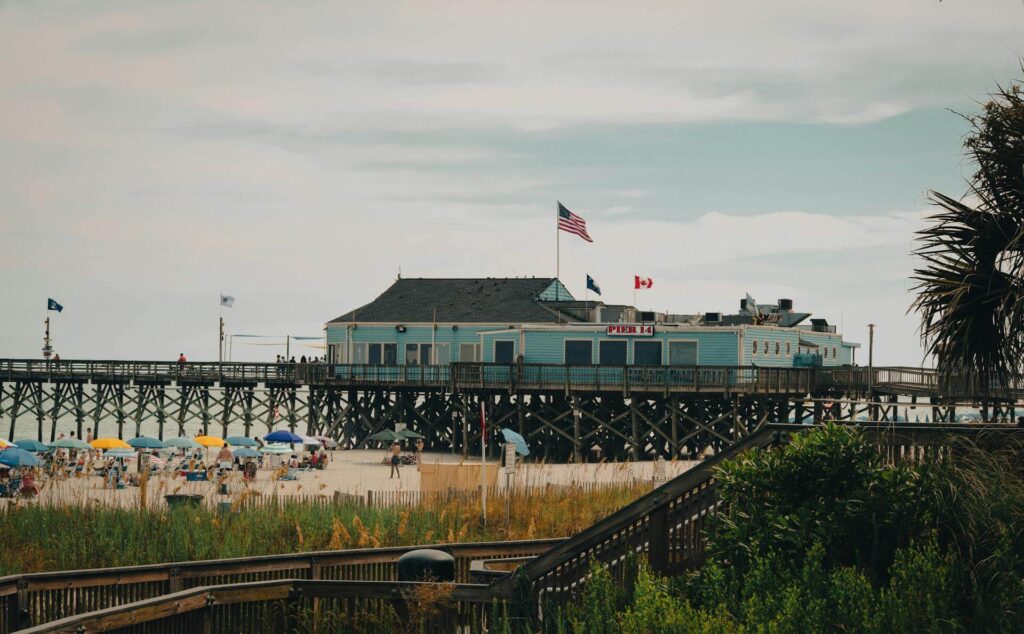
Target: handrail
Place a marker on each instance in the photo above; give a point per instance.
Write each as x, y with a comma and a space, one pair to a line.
30, 596
205, 598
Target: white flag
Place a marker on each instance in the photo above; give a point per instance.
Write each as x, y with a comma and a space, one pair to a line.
227, 300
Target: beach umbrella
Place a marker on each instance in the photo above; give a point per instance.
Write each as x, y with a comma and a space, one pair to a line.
4, 444
241, 441
29, 444
328, 442
276, 448
70, 443
282, 435
246, 452
14, 457
210, 441
110, 443
517, 440
410, 434
145, 442
119, 452
182, 443
312, 441
387, 436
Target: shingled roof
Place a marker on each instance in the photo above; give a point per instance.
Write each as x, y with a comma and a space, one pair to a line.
502, 300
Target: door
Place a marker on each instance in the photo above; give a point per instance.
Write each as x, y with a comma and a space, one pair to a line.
504, 351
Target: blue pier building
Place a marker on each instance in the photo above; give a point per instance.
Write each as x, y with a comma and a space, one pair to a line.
438, 321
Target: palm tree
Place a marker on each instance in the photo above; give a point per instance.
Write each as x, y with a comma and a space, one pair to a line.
970, 282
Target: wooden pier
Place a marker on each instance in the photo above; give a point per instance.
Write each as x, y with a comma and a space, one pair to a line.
566, 412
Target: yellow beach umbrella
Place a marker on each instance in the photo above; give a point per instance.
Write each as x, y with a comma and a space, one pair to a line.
210, 441
5, 444
110, 443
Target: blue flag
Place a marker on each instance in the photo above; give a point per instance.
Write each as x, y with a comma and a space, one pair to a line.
51, 304
592, 285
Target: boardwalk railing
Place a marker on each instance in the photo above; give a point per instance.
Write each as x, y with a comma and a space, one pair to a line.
33, 599
292, 605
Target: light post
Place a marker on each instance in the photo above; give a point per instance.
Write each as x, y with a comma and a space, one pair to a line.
871, 367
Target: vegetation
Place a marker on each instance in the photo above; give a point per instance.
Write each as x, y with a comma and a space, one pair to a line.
822, 537
971, 281
42, 538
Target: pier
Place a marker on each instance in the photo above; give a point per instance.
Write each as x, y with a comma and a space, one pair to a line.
567, 412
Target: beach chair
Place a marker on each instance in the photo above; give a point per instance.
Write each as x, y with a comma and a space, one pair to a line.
293, 474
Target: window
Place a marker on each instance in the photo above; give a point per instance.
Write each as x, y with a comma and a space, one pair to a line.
777, 348
646, 353
382, 353
682, 353
504, 351
469, 352
788, 349
579, 352
442, 354
612, 352
358, 353
755, 347
417, 354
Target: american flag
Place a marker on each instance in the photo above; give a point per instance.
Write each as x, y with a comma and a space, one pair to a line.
568, 221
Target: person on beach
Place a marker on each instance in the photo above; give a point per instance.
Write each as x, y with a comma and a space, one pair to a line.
396, 449
88, 435
419, 453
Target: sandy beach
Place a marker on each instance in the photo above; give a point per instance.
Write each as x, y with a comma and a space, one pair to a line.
353, 472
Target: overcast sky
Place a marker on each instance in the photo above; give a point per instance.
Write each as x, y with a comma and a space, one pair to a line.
295, 155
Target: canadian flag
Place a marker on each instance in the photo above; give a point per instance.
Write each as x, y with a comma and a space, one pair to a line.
642, 282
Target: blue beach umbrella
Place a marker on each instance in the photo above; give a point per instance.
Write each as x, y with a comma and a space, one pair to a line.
29, 444
182, 443
517, 440
14, 457
145, 442
282, 435
241, 441
246, 452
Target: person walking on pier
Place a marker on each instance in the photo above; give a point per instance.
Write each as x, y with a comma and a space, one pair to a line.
181, 362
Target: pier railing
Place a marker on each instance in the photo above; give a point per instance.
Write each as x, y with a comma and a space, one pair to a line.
456, 376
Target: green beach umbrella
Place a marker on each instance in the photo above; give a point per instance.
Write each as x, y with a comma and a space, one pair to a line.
241, 441
145, 442
277, 448
386, 436
408, 433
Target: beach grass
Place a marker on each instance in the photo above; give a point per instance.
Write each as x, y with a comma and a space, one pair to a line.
75, 536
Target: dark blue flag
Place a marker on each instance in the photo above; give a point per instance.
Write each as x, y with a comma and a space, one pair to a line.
592, 285
51, 304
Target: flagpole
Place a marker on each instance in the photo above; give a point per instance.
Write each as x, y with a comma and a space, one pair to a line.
558, 257
483, 461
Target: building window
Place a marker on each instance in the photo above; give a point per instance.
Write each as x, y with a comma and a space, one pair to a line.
442, 354
777, 345
469, 353
382, 353
682, 353
504, 351
417, 354
612, 352
646, 353
788, 349
755, 346
358, 353
579, 353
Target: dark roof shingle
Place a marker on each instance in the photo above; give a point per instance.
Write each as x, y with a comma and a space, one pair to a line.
461, 300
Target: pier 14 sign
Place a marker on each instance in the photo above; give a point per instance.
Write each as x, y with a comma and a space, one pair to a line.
631, 330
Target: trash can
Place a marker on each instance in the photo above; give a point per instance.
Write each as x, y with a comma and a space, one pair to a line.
176, 500
426, 564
